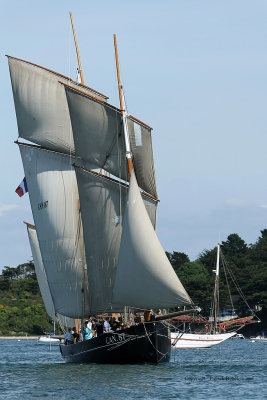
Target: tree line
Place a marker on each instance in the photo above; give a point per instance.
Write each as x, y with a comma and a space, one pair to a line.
247, 263
22, 310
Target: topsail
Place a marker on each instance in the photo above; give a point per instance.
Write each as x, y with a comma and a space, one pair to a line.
41, 106
98, 126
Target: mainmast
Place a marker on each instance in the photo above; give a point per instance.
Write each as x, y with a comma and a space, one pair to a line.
76, 321
77, 50
123, 113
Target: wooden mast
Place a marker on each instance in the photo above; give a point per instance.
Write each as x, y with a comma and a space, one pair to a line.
126, 137
77, 50
76, 321
123, 113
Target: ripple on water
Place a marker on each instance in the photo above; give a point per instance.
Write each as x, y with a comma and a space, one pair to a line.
236, 368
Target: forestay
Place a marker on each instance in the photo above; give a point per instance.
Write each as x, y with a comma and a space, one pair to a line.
42, 279
56, 211
145, 277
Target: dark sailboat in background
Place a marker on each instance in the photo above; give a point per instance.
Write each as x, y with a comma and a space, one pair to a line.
92, 187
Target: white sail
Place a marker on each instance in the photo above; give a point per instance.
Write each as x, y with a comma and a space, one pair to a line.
98, 137
145, 277
151, 209
41, 106
141, 146
97, 129
55, 206
103, 204
42, 280
101, 210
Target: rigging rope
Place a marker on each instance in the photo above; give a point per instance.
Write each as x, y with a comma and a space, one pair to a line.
237, 286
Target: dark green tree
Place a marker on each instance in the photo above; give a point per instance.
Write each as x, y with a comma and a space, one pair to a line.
196, 280
177, 259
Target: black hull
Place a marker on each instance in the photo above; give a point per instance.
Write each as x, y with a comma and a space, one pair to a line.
142, 343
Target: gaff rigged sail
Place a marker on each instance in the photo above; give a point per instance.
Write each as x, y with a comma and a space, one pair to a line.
56, 211
41, 105
42, 279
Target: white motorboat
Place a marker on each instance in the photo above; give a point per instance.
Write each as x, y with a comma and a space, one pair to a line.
48, 340
259, 338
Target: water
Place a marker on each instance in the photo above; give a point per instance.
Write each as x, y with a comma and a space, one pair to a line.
234, 369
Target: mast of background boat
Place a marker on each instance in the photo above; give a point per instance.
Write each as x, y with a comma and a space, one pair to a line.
123, 113
216, 289
77, 50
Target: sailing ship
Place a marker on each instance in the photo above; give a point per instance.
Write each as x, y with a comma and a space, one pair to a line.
217, 324
91, 181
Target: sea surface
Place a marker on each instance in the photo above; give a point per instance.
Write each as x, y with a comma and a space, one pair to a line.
234, 369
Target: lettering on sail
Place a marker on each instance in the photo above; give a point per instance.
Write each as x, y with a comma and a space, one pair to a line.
115, 339
42, 205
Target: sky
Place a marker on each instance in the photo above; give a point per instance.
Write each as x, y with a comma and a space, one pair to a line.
194, 70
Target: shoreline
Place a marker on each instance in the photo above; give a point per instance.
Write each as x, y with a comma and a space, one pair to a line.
19, 337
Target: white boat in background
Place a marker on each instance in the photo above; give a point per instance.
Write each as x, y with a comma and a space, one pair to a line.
238, 336
48, 340
182, 340
259, 338
215, 329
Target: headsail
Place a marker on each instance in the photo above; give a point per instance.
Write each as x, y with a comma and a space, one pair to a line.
42, 279
144, 278
56, 211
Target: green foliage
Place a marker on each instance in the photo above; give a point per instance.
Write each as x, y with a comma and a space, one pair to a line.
248, 264
195, 278
21, 306
22, 310
177, 259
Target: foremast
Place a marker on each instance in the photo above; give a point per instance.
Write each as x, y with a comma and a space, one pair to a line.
77, 50
76, 321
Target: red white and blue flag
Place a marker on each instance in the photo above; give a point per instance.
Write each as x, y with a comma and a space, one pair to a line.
22, 188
